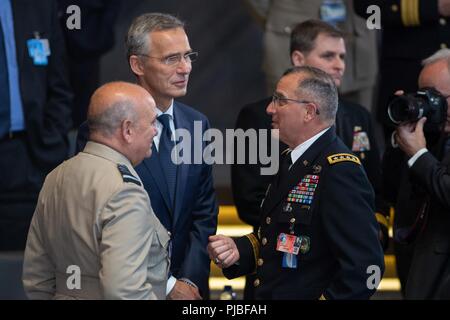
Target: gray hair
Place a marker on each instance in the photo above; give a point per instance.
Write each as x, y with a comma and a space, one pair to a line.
137, 41
318, 87
442, 54
107, 122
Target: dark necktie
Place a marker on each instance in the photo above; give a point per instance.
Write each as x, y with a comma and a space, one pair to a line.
5, 120
165, 149
285, 165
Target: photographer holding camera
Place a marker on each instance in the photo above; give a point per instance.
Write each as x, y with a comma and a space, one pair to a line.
423, 198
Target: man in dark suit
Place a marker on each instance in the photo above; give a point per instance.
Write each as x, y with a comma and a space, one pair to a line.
182, 196
424, 192
318, 237
35, 103
320, 45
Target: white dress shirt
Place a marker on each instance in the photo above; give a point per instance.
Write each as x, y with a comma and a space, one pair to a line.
301, 148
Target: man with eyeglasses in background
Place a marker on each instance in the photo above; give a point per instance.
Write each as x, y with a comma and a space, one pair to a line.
317, 235
183, 195
320, 45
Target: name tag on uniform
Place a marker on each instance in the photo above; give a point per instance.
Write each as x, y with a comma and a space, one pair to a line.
39, 50
333, 11
288, 243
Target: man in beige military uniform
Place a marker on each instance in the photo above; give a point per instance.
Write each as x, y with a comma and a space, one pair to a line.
94, 234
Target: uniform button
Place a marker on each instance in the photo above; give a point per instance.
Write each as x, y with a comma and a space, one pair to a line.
443, 46
292, 220
442, 21
169, 233
260, 262
394, 8
256, 283
264, 241
268, 220
288, 29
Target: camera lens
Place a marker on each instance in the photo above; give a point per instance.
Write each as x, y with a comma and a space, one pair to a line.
404, 108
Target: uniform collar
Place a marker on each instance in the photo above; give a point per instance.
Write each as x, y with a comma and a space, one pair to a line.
301, 148
108, 153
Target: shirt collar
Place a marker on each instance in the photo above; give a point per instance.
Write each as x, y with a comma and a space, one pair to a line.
301, 148
168, 111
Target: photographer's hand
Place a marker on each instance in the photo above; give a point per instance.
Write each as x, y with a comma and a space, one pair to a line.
410, 137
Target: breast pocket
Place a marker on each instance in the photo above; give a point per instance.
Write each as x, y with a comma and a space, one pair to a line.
295, 213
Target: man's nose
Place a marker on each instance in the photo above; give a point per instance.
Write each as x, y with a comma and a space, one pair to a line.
271, 108
184, 66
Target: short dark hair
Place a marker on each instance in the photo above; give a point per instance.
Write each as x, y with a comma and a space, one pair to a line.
320, 88
136, 41
305, 33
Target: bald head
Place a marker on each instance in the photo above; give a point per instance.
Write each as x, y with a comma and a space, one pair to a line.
111, 104
118, 112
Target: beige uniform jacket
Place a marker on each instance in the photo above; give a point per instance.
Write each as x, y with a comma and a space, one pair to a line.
94, 234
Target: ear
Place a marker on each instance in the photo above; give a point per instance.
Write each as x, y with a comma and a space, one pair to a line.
310, 112
297, 58
136, 65
127, 130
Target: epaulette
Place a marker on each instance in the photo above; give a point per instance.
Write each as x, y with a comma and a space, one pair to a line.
341, 157
127, 176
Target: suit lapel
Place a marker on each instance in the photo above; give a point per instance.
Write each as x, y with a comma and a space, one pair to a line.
300, 168
153, 166
181, 122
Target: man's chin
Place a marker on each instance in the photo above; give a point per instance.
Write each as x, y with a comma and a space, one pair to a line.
178, 92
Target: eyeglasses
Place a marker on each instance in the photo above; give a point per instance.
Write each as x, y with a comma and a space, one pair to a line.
175, 59
280, 101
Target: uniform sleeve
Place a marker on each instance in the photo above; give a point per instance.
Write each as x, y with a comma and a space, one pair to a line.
124, 248
248, 247
352, 231
38, 277
434, 177
401, 13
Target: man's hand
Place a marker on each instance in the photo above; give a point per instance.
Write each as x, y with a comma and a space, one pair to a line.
410, 137
444, 7
183, 291
223, 251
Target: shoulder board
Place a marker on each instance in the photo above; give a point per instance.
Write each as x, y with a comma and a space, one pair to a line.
341, 157
126, 175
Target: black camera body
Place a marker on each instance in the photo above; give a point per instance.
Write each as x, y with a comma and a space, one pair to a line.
426, 102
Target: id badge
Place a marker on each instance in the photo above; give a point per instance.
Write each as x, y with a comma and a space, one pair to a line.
38, 50
288, 243
333, 11
289, 261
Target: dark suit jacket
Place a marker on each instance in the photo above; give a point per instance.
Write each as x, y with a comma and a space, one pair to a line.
195, 216
45, 90
249, 186
339, 222
429, 275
